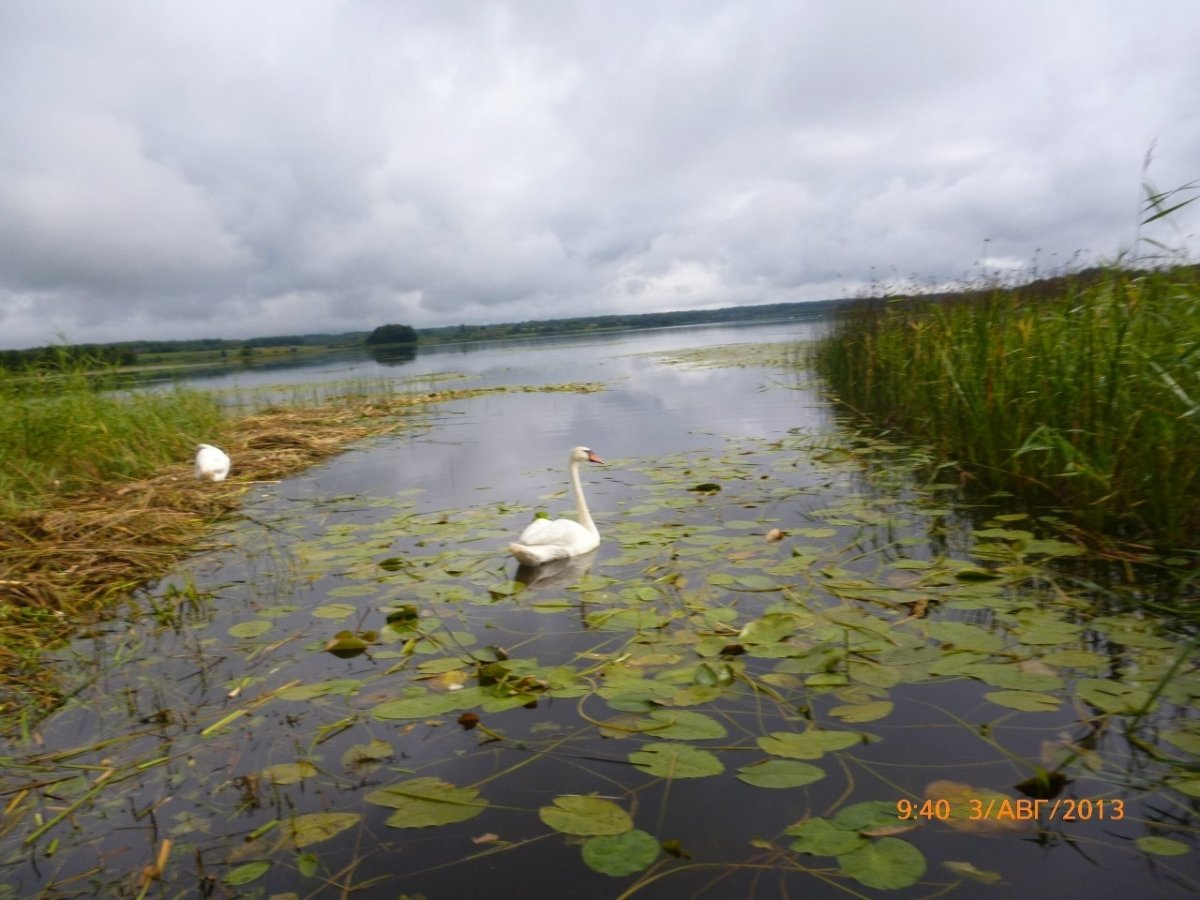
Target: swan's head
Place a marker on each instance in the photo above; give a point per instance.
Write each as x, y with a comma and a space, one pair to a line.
583, 454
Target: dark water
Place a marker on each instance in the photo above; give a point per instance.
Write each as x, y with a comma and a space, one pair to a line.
178, 724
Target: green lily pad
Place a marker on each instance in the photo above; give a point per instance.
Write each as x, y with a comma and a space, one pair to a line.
335, 611
289, 773
426, 705
252, 629
244, 874
426, 802
312, 828
780, 773
812, 744
820, 837
1162, 846
373, 751
863, 712
677, 761
682, 725
867, 816
621, 854
575, 814
1187, 741
885, 864
1025, 701
1111, 696
335, 686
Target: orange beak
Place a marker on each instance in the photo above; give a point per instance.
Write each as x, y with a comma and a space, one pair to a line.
593, 458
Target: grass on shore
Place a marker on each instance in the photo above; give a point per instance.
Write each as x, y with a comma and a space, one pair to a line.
63, 431
1089, 399
97, 497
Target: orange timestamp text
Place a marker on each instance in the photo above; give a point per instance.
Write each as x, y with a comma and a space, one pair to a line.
1012, 809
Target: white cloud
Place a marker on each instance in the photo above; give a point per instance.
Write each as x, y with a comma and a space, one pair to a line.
217, 169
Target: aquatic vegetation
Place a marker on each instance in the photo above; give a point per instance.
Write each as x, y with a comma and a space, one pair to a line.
1086, 398
69, 555
69, 429
820, 675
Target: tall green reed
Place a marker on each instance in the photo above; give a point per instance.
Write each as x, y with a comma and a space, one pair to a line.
66, 428
1089, 398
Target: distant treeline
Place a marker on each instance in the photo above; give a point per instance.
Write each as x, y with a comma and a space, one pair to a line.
810, 310
128, 353
68, 356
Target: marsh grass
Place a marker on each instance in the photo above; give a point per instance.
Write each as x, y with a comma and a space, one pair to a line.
1088, 397
65, 430
110, 503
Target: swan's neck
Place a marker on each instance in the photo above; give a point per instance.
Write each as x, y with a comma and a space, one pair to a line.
581, 507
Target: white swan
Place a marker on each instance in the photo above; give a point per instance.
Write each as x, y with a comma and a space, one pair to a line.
212, 463
546, 539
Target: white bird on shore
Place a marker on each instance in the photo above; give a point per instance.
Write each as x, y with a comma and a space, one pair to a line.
212, 463
546, 539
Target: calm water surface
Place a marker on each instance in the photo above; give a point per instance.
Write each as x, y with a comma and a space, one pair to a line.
213, 724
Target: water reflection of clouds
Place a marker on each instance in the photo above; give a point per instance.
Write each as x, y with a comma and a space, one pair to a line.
512, 448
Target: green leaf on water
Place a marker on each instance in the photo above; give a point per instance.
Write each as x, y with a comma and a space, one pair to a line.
1187, 741
374, 750
885, 864
812, 744
820, 837
817, 532
677, 761
755, 583
312, 828
426, 705
307, 864
963, 636
1189, 786
973, 574
1111, 696
769, 628
252, 629
289, 773
863, 712
621, 854
247, 873
575, 814
867, 816
335, 611
1161, 846
681, 725
1025, 701
335, 686
426, 802
780, 773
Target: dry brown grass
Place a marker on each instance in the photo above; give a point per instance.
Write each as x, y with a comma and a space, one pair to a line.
75, 560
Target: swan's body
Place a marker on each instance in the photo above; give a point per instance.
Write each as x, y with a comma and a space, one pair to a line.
547, 539
212, 463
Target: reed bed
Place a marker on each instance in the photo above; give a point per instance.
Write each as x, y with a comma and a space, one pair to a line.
64, 430
1088, 397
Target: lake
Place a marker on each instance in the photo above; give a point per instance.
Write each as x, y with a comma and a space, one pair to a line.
801, 663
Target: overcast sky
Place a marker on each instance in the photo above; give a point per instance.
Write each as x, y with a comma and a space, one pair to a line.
218, 168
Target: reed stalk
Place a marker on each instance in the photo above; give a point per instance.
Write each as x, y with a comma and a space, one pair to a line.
1087, 397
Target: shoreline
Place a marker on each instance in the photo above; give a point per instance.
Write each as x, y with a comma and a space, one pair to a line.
72, 562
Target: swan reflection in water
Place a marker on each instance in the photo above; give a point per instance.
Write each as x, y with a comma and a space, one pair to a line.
557, 573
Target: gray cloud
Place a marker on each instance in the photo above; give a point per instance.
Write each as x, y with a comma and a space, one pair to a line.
222, 169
